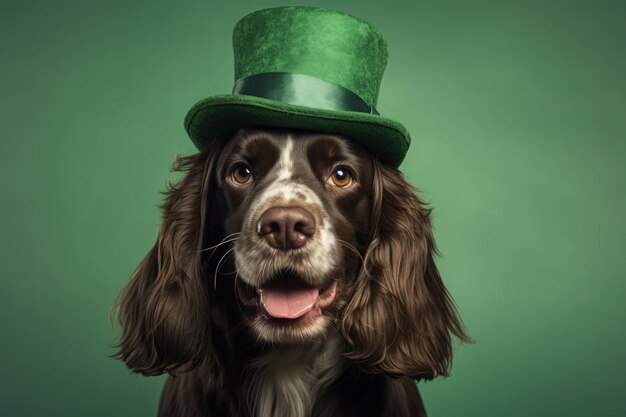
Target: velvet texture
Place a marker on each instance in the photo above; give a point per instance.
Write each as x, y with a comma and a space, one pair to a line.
326, 44
330, 45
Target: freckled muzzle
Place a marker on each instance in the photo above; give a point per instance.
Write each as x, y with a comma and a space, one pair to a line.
295, 294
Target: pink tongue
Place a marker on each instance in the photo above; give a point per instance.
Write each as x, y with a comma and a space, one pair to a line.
288, 300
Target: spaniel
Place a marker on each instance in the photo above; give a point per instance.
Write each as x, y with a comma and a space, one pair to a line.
292, 276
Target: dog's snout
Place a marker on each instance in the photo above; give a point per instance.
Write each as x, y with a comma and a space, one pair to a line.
286, 228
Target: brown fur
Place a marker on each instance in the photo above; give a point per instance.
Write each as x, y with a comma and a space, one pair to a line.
400, 316
396, 323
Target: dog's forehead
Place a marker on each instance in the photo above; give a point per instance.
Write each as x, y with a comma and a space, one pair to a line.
291, 151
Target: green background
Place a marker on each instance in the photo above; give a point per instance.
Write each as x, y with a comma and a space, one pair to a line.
516, 110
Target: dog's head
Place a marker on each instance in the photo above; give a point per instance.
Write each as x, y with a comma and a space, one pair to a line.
298, 216
295, 235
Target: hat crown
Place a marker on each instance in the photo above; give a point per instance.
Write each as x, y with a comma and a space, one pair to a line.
327, 44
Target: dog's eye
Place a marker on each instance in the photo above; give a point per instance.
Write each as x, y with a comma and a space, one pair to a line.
341, 177
242, 174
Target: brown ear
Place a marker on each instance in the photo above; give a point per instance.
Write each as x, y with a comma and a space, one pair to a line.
163, 309
400, 317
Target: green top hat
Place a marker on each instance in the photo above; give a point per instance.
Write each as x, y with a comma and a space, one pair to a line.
307, 68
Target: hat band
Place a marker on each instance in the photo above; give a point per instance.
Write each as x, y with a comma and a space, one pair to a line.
302, 90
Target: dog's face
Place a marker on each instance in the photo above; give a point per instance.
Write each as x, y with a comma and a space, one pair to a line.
322, 238
298, 211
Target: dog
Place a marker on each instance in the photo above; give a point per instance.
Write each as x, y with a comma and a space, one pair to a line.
293, 275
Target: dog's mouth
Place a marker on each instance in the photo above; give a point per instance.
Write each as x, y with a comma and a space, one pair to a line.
286, 298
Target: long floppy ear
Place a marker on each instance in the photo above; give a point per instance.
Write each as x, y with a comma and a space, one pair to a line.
163, 309
400, 317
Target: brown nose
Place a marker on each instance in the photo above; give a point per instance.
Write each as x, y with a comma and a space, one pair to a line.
286, 228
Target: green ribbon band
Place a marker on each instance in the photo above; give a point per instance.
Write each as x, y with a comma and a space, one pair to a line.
302, 90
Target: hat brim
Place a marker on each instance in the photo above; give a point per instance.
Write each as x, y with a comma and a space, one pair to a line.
220, 116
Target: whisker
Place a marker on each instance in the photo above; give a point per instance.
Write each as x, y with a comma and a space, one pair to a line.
230, 273
223, 241
213, 248
217, 268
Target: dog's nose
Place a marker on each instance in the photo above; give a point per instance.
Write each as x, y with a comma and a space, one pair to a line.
286, 228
